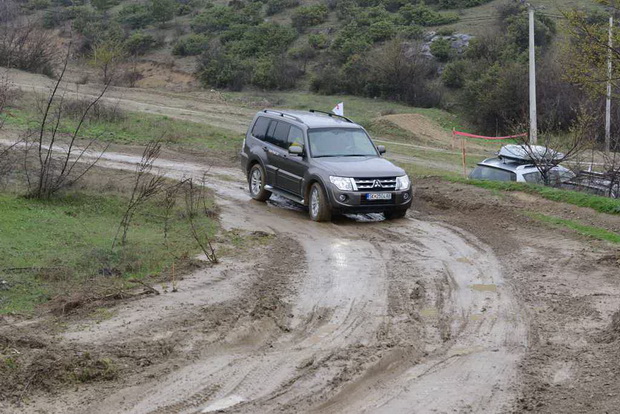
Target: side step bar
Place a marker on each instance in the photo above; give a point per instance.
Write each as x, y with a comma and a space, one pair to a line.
285, 194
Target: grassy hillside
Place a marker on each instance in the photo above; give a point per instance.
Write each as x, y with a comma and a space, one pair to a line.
410, 51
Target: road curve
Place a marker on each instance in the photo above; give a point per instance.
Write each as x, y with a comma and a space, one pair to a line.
389, 317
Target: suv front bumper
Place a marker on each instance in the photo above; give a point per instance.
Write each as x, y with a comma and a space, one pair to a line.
355, 201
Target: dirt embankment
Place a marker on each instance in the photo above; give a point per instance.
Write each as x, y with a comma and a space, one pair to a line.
568, 287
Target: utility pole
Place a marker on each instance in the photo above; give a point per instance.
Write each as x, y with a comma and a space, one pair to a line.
609, 79
533, 117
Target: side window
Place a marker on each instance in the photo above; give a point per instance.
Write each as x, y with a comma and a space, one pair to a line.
296, 137
260, 128
281, 134
269, 137
494, 174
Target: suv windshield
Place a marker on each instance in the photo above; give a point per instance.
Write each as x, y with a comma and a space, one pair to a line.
340, 142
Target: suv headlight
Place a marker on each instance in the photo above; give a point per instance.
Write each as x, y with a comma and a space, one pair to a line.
402, 183
343, 183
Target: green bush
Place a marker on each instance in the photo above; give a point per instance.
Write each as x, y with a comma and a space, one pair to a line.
351, 40
460, 4
454, 74
278, 6
308, 16
275, 72
264, 39
162, 10
318, 41
441, 48
220, 69
102, 5
136, 16
139, 43
412, 32
218, 18
191, 45
382, 30
423, 15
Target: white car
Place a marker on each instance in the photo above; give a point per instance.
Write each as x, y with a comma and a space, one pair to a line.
497, 169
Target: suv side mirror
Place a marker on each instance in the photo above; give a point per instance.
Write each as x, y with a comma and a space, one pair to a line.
295, 150
381, 149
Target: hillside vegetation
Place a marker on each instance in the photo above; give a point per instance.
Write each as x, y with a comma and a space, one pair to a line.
412, 51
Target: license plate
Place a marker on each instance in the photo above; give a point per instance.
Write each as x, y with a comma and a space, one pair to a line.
379, 196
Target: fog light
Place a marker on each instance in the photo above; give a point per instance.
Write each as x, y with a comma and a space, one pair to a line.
406, 196
342, 197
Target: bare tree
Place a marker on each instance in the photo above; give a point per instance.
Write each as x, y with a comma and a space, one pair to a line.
58, 166
556, 150
195, 204
6, 153
146, 186
24, 45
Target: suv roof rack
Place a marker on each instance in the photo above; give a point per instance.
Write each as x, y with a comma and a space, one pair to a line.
282, 114
331, 114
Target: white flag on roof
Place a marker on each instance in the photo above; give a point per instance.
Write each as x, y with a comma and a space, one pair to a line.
339, 109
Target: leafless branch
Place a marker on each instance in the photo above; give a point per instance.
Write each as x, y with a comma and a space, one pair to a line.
146, 185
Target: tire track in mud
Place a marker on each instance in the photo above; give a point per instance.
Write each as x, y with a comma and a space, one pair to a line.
475, 369
352, 344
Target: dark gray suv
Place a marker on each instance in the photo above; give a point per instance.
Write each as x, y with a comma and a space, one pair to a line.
323, 161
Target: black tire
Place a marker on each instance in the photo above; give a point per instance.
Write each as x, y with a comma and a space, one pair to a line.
318, 205
256, 183
395, 214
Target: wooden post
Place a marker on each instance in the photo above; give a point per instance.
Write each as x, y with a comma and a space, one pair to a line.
174, 281
464, 157
453, 138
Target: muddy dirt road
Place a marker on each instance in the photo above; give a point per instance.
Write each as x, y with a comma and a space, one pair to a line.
347, 292
362, 315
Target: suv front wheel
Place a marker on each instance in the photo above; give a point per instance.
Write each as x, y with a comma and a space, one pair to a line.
256, 182
395, 214
318, 205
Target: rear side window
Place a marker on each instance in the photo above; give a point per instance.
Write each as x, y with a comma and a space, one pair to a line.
277, 134
494, 174
533, 177
296, 136
260, 128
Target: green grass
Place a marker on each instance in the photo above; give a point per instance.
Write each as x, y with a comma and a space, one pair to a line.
589, 231
360, 110
67, 241
139, 128
598, 203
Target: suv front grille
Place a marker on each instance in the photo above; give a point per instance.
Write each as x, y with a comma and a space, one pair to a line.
376, 184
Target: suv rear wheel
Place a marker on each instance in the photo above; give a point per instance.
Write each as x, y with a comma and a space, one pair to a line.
318, 205
256, 182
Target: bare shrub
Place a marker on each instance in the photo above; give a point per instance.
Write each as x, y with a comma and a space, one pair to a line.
146, 186
196, 204
9, 10
100, 111
26, 46
555, 150
59, 165
7, 154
